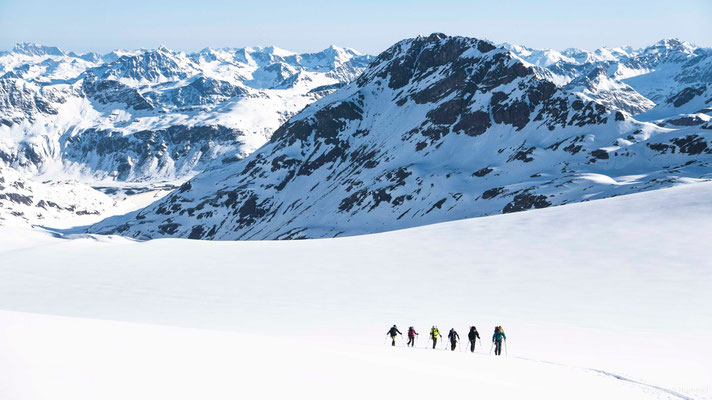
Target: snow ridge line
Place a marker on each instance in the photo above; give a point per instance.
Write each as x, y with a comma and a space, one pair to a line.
616, 376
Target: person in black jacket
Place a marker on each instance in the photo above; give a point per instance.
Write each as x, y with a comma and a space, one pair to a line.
454, 337
393, 332
473, 336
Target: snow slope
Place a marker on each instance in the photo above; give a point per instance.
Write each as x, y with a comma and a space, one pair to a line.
619, 285
86, 359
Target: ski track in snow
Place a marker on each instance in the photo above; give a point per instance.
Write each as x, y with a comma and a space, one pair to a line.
618, 377
643, 384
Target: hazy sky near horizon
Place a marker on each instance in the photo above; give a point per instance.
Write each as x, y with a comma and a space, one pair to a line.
369, 26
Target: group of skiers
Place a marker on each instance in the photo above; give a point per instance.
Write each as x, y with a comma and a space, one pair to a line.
453, 336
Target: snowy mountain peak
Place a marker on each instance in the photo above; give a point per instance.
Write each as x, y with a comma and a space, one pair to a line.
671, 44
339, 53
34, 49
273, 50
540, 57
164, 49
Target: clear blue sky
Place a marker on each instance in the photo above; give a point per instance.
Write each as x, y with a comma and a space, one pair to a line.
367, 25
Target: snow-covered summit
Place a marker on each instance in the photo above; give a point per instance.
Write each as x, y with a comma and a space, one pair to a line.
34, 49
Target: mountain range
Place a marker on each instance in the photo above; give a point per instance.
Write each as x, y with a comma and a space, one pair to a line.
440, 128
149, 117
269, 144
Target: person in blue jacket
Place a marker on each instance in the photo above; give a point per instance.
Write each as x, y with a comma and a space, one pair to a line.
497, 340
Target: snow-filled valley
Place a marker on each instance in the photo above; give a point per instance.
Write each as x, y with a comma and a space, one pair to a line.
601, 299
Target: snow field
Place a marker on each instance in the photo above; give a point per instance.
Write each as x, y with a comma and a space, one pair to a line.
619, 285
59, 357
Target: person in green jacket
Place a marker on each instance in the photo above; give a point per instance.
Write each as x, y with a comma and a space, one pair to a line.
497, 340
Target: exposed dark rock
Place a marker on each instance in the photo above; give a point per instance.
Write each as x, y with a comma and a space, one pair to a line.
17, 198
692, 145
685, 95
515, 113
197, 232
473, 123
482, 172
600, 154
526, 201
492, 193
168, 228
686, 121
523, 155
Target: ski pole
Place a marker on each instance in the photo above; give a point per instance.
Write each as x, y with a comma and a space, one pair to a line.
505, 347
491, 348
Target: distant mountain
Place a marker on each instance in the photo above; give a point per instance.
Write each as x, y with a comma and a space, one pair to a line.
440, 128
668, 78
151, 115
142, 117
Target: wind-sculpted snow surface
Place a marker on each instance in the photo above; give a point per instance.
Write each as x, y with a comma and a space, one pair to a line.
153, 115
436, 129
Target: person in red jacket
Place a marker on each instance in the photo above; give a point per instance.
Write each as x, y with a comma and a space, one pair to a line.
411, 336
